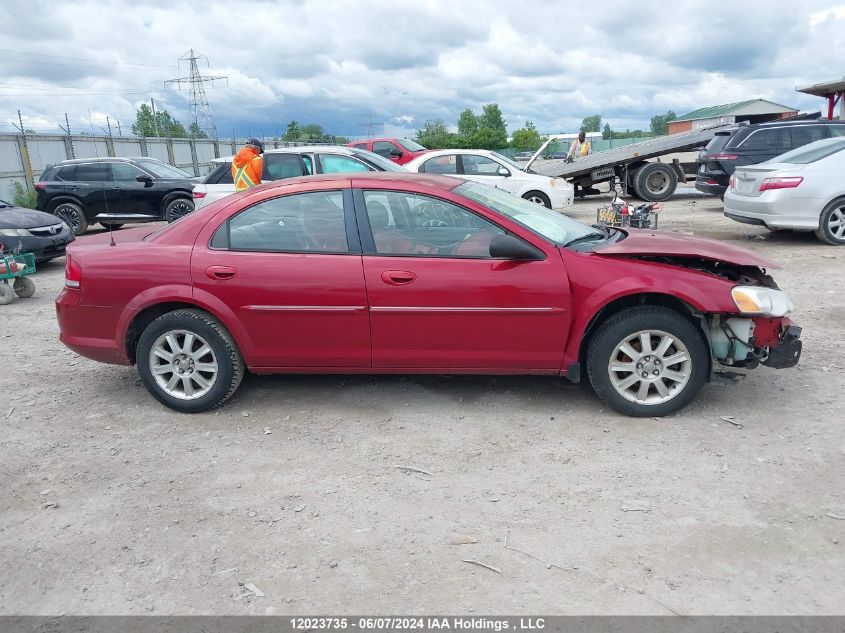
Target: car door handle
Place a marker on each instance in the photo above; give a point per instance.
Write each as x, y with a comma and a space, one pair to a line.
398, 277
220, 273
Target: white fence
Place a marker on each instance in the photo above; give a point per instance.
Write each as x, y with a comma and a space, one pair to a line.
23, 157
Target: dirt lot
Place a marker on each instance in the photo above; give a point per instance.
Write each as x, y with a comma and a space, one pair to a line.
111, 504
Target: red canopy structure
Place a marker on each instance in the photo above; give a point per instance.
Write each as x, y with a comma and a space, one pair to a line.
833, 91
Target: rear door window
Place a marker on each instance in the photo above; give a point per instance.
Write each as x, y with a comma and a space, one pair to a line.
280, 166
447, 164
770, 141
360, 145
66, 173
93, 172
806, 134
336, 164
837, 130
221, 175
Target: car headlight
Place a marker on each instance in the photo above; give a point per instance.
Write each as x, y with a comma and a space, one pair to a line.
762, 301
15, 232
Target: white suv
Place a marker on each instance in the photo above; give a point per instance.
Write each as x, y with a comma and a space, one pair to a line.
491, 168
289, 162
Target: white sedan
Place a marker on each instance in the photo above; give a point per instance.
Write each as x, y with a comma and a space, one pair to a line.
803, 189
491, 168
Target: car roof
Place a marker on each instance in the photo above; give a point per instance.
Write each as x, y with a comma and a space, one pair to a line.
299, 149
99, 159
801, 122
361, 179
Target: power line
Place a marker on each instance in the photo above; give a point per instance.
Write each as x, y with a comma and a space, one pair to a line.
87, 61
200, 108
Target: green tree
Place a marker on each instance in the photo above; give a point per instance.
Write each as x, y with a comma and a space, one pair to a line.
195, 131
488, 138
660, 123
526, 137
492, 119
435, 135
591, 123
607, 133
292, 133
312, 132
467, 123
145, 123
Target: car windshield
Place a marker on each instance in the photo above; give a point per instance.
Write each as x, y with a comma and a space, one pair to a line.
811, 153
507, 161
549, 224
163, 170
410, 145
379, 162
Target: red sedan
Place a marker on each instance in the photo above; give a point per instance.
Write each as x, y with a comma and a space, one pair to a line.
396, 273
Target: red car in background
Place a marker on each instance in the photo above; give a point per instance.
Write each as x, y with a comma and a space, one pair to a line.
399, 150
417, 273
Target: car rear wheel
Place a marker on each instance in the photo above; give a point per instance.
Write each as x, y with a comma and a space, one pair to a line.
832, 223
655, 181
178, 208
188, 361
647, 361
538, 197
72, 215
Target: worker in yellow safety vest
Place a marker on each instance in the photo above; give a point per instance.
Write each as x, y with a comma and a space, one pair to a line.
248, 165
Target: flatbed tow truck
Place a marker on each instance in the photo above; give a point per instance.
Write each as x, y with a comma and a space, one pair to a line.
638, 166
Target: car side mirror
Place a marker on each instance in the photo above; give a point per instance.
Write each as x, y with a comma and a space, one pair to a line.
504, 171
144, 178
510, 247
396, 153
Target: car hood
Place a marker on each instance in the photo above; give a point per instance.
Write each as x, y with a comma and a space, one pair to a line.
20, 218
642, 242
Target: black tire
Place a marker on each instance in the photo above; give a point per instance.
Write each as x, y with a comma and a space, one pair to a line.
655, 181
834, 213
224, 351
686, 338
113, 225
177, 208
7, 294
24, 287
538, 197
71, 214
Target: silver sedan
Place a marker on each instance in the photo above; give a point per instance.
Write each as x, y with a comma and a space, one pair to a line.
803, 190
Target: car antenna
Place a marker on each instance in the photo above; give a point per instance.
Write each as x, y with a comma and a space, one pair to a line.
105, 197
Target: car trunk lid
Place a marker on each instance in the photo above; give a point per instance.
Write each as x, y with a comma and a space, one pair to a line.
748, 180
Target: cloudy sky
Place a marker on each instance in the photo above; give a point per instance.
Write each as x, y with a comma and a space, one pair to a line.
399, 63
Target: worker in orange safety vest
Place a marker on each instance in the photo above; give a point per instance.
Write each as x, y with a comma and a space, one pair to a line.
248, 165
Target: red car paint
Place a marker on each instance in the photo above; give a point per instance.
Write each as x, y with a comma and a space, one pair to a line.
348, 313
399, 154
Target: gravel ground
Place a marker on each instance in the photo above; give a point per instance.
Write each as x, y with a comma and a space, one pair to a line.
111, 504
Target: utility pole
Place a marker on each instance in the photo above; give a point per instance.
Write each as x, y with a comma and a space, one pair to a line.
155, 118
119, 131
203, 119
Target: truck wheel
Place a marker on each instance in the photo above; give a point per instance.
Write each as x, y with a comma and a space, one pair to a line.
832, 223
72, 215
655, 181
538, 197
7, 295
24, 287
188, 361
177, 208
647, 361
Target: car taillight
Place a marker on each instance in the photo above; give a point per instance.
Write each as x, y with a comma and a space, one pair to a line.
781, 183
722, 157
73, 272
199, 194
40, 185
732, 182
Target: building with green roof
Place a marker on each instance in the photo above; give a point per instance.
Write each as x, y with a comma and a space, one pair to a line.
753, 111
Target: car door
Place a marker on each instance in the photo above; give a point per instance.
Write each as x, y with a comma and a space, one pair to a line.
288, 268
438, 300
487, 171
340, 164
132, 196
93, 187
278, 166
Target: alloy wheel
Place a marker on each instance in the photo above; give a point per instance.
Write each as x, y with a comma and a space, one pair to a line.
68, 215
649, 367
183, 364
836, 223
179, 209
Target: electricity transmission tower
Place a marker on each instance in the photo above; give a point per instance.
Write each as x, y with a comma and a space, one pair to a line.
200, 108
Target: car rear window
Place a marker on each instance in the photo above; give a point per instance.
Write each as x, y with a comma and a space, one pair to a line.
220, 175
718, 142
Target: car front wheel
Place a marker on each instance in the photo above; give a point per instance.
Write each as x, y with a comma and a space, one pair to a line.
178, 208
647, 361
189, 361
538, 197
832, 223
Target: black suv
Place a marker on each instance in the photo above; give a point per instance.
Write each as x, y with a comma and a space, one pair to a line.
752, 144
114, 191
